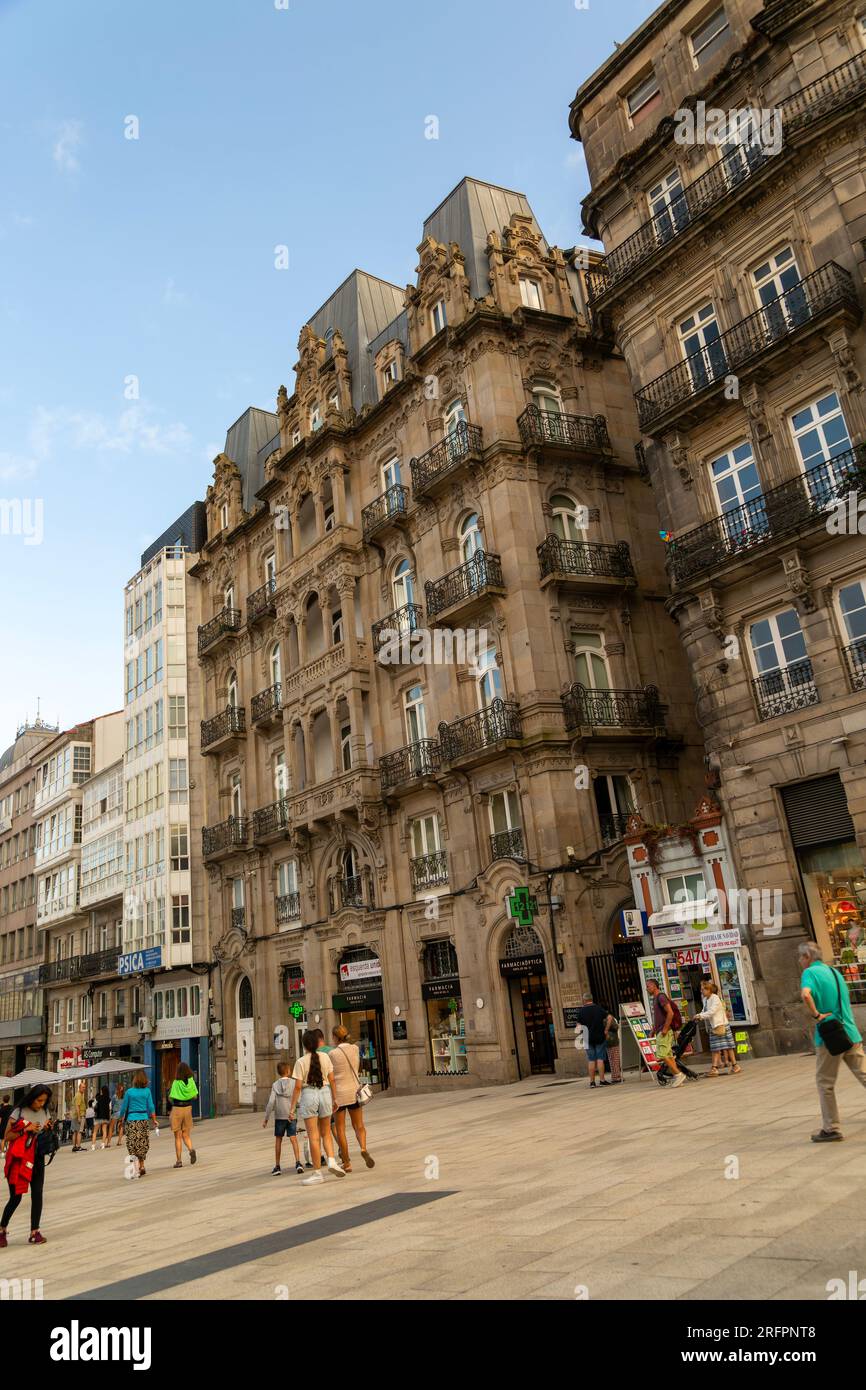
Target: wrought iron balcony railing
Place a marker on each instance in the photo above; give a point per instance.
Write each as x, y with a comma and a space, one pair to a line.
288, 908
507, 844
498, 721
267, 704
613, 826
830, 287
475, 577
556, 556
613, 709
239, 918
231, 723
462, 444
351, 891
429, 870
80, 967
262, 603
391, 506
782, 511
582, 433
224, 624
790, 688
403, 621
832, 91
271, 820
855, 656
119, 1021
229, 835
419, 759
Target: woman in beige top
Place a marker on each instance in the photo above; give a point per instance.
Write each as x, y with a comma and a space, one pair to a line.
346, 1060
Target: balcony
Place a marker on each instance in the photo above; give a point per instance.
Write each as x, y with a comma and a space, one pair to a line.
751, 347
791, 688
572, 434
429, 871
784, 511
224, 729
585, 564
464, 589
318, 672
287, 909
266, 708
496, 725
507, 844
415, 761
390, 509
855, 659
262, 603
459, 448
229, 837
613, 825
211, 635
392, 635
628, 711
350, 891
720, 184
80, 967
271, 822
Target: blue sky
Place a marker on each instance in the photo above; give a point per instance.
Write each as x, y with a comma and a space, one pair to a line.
153, 258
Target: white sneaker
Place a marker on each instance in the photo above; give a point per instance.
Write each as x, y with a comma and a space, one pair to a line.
316, 1177
335, 1168
678, 1079
102, 1146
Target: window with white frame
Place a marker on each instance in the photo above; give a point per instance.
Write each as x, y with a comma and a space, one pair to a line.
545, 395
504, 811
685, 888
567, 517
57, 1020
471, 540
642, 98
777, 642
438, 316
232, 690
180, 928
615, 801
852, 607
276, 665
701, 346
235, 797
424, 833
270, 569
287, 878
413, 709
179, 851
315, 417
390, 374
455, 416
589, 663
70, 1014
281, 776
668, 207
224, 516
709, 37
403, 584
488, 682
296, 437
336, 627
177, 716
530, 293
777, 285
390, 474
739, 494
820, 431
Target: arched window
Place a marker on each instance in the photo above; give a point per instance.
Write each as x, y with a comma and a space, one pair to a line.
276, 664
270, 568
232, 689
350, 863
567, 517
589, 664
471, 540
489, 682
455, 416
245, 998
403, 584
545, 394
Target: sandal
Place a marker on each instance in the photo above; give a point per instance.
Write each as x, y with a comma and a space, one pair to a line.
714, 1071
736, 1069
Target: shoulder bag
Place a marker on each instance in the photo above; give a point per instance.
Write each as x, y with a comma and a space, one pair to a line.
832, 1030
364, 1093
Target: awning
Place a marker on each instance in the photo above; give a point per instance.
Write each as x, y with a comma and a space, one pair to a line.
679, 914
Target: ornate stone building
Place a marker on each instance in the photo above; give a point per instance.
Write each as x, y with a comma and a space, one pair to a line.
725, 148
437, 668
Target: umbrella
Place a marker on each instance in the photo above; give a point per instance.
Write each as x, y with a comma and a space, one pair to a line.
112, 1065
33, 1077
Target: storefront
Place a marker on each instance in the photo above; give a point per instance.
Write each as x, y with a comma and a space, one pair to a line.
524, 973
360, 1006
443, 1004
179, 1034
295, 996
691, 944
832, 873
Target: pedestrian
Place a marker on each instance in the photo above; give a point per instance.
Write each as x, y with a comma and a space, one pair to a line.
25, 1160
79, 1107
115, 1124
346, 1059
666, 1021
102, 1107
280, 1106
611, 1042
722, 1046
837, 1039
138, 1113
89, 1119
596, 1020
6, 1108
182, 1094
313, 1102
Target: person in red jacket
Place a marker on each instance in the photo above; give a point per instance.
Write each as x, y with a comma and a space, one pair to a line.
25, 1166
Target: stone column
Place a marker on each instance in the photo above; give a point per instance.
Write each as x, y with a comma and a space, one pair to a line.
355, 701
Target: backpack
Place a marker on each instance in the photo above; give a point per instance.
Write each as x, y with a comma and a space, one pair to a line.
47, 1144
677, 1020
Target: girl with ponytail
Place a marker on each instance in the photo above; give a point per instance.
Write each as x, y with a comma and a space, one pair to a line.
313, 1101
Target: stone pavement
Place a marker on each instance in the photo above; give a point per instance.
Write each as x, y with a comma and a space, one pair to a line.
542, 1187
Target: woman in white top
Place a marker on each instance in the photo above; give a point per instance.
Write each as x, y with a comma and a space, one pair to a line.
313, 1101
721, 1038
345, 1057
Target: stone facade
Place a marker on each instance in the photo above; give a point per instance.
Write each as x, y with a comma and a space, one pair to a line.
455, 464
733, 282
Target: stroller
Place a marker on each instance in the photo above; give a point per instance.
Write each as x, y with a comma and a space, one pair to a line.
687, 1032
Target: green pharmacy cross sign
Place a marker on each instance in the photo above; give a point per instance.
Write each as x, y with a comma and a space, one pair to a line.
296, 1010
522, 907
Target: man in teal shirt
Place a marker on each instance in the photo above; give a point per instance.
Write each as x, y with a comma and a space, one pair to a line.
825, 993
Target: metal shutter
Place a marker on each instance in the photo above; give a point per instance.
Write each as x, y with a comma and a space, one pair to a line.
817, 811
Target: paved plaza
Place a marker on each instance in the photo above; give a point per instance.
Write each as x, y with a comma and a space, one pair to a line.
543, 1188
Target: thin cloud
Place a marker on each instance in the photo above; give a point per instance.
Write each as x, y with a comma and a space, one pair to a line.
15, 466
65, 149
137, 429
172, 295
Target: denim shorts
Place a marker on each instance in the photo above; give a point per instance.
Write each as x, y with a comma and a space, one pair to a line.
596, 1052
285, 1127
316, 1101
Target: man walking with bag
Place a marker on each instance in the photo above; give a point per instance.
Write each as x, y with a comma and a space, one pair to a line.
825, 995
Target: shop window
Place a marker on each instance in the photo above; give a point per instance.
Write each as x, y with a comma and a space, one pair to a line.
445, 1021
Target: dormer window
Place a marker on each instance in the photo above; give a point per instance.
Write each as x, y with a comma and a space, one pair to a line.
224, 516
643, 97
334, 400
296, 436
316, 417
530, 293
438, 316
390, 375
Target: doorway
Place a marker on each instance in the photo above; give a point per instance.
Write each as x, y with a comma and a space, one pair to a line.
246, 1058
532, 1020
168, 1065
366, 1028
